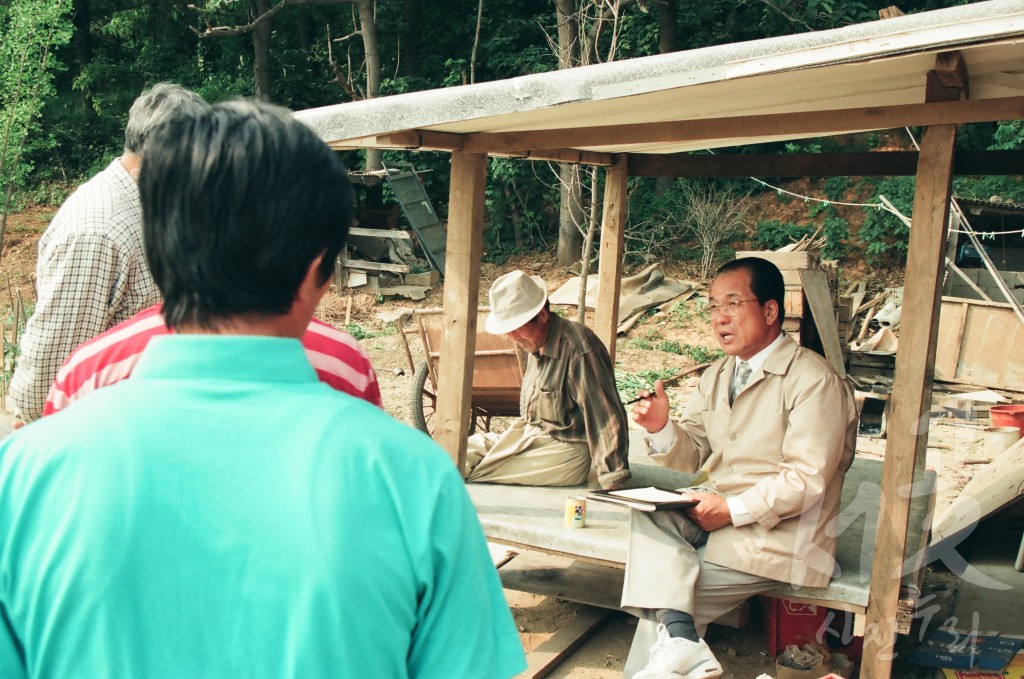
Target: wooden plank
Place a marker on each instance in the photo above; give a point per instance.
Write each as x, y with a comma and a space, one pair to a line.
819, 298
992, 353
366, 265
609, 272
951, 69
546, 657
992, 488
463, 254
866, 164
907, 438
793, 301
379, 233
571, 156
784, 260
807, 124
952, 317
419, 140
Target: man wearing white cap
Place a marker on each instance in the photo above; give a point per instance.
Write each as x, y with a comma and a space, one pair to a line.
571, 416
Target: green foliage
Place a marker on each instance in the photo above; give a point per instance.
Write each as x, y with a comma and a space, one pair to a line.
11, 350
1009, 136
357, 331
651, 334
630, 384
884, 235
771, 234
670, 347
688, 312
31, 33
984, 188
803, 147
702, 354
639, 344
521, 210
836, 231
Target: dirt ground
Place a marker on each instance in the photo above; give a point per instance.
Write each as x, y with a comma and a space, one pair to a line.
373, 320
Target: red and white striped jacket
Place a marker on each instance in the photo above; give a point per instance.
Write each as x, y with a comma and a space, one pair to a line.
339, 360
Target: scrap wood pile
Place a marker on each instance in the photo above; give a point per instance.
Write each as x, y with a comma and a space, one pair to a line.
871, 323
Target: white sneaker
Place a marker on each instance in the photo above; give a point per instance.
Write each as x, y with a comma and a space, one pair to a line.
675, 658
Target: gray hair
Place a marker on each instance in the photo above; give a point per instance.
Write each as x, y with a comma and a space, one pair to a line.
154, 106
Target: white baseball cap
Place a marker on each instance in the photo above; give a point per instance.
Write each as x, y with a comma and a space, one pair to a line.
515, 299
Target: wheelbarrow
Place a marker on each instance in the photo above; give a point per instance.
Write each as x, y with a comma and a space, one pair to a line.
498, 368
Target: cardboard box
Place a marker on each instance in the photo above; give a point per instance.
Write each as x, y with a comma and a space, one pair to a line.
964, 650
1015, 670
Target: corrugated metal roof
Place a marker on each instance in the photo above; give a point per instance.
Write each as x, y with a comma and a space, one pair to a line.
876, 64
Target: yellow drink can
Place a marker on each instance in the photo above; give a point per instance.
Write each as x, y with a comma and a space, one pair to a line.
575, 512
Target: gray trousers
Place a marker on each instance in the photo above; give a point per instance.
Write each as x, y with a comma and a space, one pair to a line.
666, 569
525, 455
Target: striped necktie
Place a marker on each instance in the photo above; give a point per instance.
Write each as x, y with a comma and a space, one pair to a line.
739, 381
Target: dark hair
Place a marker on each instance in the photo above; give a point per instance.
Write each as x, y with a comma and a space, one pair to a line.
237, 202
765, 279
155, 106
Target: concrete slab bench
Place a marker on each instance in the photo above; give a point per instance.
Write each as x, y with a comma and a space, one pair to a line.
531, 518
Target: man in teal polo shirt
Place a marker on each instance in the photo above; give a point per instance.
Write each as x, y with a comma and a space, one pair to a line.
222, 513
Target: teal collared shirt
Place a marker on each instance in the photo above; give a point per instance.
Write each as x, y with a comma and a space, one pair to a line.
221, 513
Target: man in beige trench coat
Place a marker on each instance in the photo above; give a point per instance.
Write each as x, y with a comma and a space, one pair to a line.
771, 429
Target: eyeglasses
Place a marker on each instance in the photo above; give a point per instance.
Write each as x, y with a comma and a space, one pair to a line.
730, 308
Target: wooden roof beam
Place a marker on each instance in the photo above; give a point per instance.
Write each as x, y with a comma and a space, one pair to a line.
428, 140
420, 140
866, 164
809, 124
571, 156
951, 70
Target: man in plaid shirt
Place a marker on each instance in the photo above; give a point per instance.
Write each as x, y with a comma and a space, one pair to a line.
91, 273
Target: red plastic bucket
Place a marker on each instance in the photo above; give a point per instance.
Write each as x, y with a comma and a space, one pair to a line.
1007, 416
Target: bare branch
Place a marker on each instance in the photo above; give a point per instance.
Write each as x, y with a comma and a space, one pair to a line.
778, 10
219, 31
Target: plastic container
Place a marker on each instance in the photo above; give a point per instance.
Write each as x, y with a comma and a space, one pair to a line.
1007, 416
999, 439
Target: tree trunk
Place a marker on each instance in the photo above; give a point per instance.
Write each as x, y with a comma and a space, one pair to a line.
261, 50
371, 48
411, 53
80, 19
588, 246
668, 26
568, 34
306, 29
570, 209
476, 41
668, 41
570, 215
513, 215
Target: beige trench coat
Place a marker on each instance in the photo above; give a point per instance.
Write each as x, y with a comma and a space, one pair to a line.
783, 448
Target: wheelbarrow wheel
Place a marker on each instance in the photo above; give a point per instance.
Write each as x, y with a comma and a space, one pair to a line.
423, 402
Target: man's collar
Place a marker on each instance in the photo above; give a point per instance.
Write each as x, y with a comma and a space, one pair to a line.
779, 359
758, 360
550, 348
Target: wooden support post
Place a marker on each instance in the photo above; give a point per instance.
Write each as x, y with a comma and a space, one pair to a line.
613, 228
907, 436
461, 296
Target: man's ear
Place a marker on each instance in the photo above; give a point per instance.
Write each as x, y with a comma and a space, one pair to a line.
311, 289
771, 312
